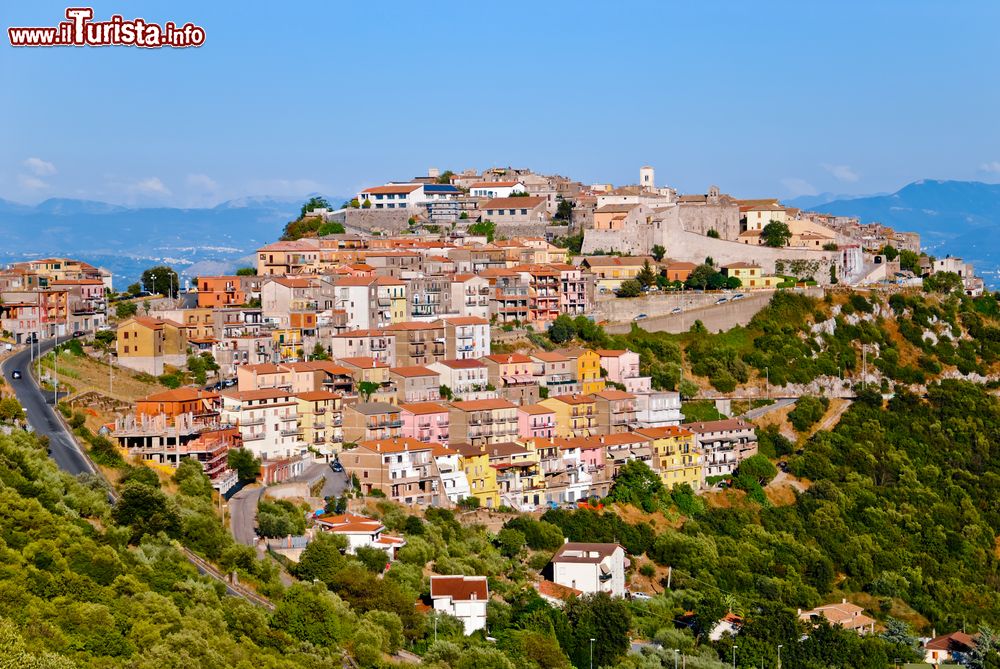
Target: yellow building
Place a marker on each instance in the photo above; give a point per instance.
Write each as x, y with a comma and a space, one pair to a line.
148, 344
475, 462
321, 421
676, 456
610, 271
288, 341
392, 304
576, 415
588, 369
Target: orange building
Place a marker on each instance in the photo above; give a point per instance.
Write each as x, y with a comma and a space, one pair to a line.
219, 291
173, 403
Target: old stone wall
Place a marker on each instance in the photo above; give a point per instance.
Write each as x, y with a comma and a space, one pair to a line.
391, 220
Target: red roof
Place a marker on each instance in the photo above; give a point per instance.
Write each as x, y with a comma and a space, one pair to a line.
461, 588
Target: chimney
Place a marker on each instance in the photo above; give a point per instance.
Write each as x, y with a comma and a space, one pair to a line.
844, 600
565, 540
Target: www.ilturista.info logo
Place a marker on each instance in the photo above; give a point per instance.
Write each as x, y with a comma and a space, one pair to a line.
80, 30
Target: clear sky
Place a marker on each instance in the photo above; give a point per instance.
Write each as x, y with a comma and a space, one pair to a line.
286, 98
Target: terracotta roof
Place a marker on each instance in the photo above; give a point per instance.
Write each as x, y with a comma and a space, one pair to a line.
505, 449
955, 642
354, 281
400, 188
508, 358
460, 588
291, 282
574, 399
484, 405
535, 409
317, 396
549, 356
614, 394
664, 432
741, 265
556, 591
412, 371
610, 353
423, 408
465, 320
618, 261
397, 445
494, 184
466, 449
464, 363
363, 362
726, 425
186, 394
680, 265
360, 333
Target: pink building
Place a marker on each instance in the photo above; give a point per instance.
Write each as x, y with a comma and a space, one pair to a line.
622, 367
535, 421
425, 421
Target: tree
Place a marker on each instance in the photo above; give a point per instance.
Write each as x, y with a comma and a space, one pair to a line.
319, 353
134, 289
331, 228
646, 276
890, 252
732, 283
10, 410
246, 271
759, 468
244, 463
367, 388
160, 280
701, 276
776, 234
146, 510
312, 204
125, 310
630, 288
658, 252
807, 412
910, 261
943, 282
564, 210
984, 654
638, 485
713, 233
511, 542
688, 389
604, 619
485, 228
445, 392
898, 633
562, 329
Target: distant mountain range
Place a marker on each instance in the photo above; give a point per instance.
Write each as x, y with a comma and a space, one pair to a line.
959, 218
128, 240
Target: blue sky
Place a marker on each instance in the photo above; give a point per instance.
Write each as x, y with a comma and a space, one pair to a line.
761, 98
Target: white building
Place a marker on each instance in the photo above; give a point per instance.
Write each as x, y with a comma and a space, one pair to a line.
361, 532
467, 378
658, 408
393, 196
454, 482
358, 297
464, 597
470, 295
494, 189
467, 336
590, 568
269, 427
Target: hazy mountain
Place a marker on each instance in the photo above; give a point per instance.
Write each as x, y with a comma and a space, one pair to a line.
813, 201
959, 218
127, 240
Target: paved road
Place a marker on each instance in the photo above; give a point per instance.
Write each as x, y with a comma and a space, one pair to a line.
41, 415
760, 411
243, 514
334, 484
714, 317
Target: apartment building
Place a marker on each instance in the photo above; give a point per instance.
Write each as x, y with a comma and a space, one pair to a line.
470, 295
426, 421
372, 343
588, 368
393, 196
415, 383
576, 294
291, 257
622, 366
518, 210
510, 300
467, 379
220, 291
295, 377
676, 456
556, 372
321, 418
357, 298
366, 421
391, 302
658, 408
403, 469
201, 404
513, 375
535, 421
268, 425
475, 462
430, 296
466, 337
615, 411
454, 486
149, 344
724, 444
418, 343
576, 415
483, 422
519, 475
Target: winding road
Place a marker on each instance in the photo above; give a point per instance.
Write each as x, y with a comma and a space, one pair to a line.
40, 412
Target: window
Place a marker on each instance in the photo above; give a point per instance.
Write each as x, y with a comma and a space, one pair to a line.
524, 212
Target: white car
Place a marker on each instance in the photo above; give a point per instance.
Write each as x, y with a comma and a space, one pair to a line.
641, 596
676, 310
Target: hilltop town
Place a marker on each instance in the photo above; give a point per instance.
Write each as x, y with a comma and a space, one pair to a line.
502, 343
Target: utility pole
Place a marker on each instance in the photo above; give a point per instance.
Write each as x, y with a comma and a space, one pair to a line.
779, 656
734, 657
864, 366
591, 654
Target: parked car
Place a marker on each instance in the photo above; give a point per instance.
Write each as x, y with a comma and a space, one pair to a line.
16, 374
336, 466
722, 300
640, 317
641, 596
738, 296
229, 383
676, 310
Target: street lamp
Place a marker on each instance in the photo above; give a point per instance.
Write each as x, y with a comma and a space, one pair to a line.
591, 654
734, 657
779, 656
676, 654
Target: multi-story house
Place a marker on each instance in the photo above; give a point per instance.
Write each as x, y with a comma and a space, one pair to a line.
415, 383
475, 462
454, 483
268, 424
467, 379
510, 301
466, 337
658, 408
220, 291
295, 377
361, 532
321, 417
418, 343
483, 422
543, 293
367, 421
610, 271
377, 344
148, 344
590, 568
676, 456
519, 475
576, 415
391, 301
495, 189
287, 257
203, 405
198, 324
513, 374
464, 597
622, 366
430, 296
556, 372
575, 291
403, 469
357, 297
394, 262
615, 411
724, 444
374, 374
535, 421
522, 210
393, 196
470, 295
625, 446
426, 421
588, 369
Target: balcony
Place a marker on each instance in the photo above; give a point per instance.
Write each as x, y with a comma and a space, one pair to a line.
253, 437
252, 421
291, 432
